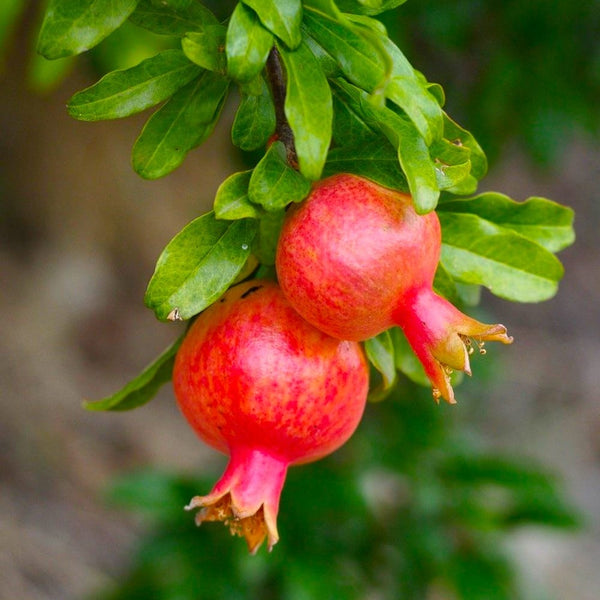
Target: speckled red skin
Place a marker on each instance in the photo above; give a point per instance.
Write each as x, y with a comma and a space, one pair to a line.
355, 259
349, 253
257, 382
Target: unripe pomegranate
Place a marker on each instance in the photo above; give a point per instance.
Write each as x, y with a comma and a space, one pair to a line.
355, 259
259, 383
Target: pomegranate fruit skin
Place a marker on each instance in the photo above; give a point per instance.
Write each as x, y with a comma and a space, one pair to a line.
355, 259
259, 383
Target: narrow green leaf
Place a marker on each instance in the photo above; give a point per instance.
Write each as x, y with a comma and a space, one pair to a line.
380, 352
327, 7
455, 178
274, 184
182, 124
123, 93
142, 388
373, 25
74, 26
368, 7
418, 167
327, 63
348, 128
418, 104
452, 166
254, 121
308, 108
172, 17
232, 201
281, 17
198, 265
538, 219
247, 44
269, 228
206, 48
407, 90
358, 58
458, 136
435, 89
413, 154
509, 265
444, 285
375, 159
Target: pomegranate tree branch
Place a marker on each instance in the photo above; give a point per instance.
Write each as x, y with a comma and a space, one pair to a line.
277, 81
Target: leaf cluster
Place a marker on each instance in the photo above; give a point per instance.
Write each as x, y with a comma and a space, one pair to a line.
322, 89
410, 506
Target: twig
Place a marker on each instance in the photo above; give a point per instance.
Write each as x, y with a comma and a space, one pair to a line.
276, 76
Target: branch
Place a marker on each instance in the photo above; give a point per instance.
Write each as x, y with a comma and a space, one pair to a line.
277, 81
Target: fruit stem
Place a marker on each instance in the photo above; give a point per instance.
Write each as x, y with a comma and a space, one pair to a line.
277, 81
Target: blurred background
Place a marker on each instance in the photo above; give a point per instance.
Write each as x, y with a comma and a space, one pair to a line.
498, 494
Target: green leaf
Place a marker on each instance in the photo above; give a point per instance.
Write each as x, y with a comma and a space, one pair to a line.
414, 159
368, 7
74, 26
142, 388
373, 25
172, 17
232, 201
416, 163
375, 159
247, 44
308, 108
206, 47
460, 137
327, 63
538, 219
452, 165
198, 265
413, 154
123, 93
444, 285
281, 17
274, 184
421, 108
411, 94
358, 58
182, 124
348, 128
509, 265
380, 352
254, 121
269, 228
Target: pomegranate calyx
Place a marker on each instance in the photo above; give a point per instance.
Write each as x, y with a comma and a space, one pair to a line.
440, 335
246, 498
252, 527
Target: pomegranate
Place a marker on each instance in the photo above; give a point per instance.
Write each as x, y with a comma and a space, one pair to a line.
259, 383
355, 259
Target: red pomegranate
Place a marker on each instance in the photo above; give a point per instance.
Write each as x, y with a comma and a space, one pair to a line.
355, 259
259, 383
